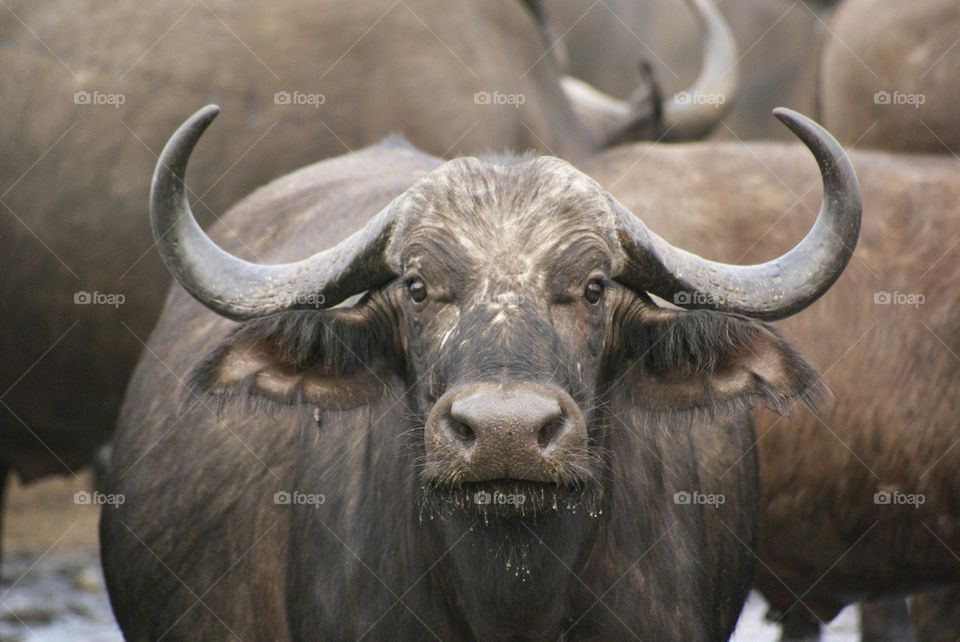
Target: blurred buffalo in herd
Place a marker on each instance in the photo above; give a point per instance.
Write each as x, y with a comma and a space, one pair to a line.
889, 77
90, 90
777, 39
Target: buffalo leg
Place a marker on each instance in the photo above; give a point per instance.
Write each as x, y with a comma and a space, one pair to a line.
798, 625
887, 619
936, 614
4, 477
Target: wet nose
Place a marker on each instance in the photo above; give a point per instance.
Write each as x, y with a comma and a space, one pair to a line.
525, 433
526, 418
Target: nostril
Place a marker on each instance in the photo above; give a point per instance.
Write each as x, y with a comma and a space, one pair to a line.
549, 432
462, 432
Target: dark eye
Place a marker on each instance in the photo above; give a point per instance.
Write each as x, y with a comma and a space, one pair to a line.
593, 292
418, 291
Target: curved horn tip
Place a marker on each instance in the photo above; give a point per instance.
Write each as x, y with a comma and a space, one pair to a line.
176, 153
806, 128
207, 112
201, 119
795, 120
193, 127
829, 152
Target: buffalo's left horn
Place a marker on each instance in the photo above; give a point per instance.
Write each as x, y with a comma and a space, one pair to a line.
771, 290
693, 113
238, 289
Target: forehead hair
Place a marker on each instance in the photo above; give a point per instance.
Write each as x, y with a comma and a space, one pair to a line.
506, 212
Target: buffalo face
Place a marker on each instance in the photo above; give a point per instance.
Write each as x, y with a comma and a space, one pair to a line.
506, 327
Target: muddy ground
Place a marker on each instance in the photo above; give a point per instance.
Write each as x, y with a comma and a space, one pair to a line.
52, 588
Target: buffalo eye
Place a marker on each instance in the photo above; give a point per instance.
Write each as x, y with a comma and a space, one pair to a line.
593, 291
418, 290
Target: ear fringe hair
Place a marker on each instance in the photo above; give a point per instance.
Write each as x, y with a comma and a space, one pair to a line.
692, 343
685, 419
297, 339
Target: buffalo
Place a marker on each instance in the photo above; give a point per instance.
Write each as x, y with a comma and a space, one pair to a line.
888, 76
860, 501
779, 41
90, 90
504, 424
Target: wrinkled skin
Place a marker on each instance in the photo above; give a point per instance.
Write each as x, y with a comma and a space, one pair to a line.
421, 559
906, 51
777, 39
890, 368
75, 177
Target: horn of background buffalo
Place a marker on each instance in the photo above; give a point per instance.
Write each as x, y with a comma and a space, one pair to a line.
719, 77
771, 290
239, 289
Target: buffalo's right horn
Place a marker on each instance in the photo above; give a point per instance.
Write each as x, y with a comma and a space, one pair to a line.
238, 289
773, 290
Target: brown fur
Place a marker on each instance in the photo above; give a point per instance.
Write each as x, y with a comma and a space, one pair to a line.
892, 369
903, 47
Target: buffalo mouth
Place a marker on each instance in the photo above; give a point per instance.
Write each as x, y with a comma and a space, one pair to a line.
512, 498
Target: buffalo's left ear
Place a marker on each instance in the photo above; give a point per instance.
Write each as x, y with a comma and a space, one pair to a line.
690, 360
335, 359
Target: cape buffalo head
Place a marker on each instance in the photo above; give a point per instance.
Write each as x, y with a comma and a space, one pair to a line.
510, 296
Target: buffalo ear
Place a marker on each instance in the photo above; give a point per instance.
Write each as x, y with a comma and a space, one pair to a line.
334, 359
703, 360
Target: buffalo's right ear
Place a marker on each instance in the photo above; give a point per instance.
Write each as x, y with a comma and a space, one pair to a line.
679, 360
335, 359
